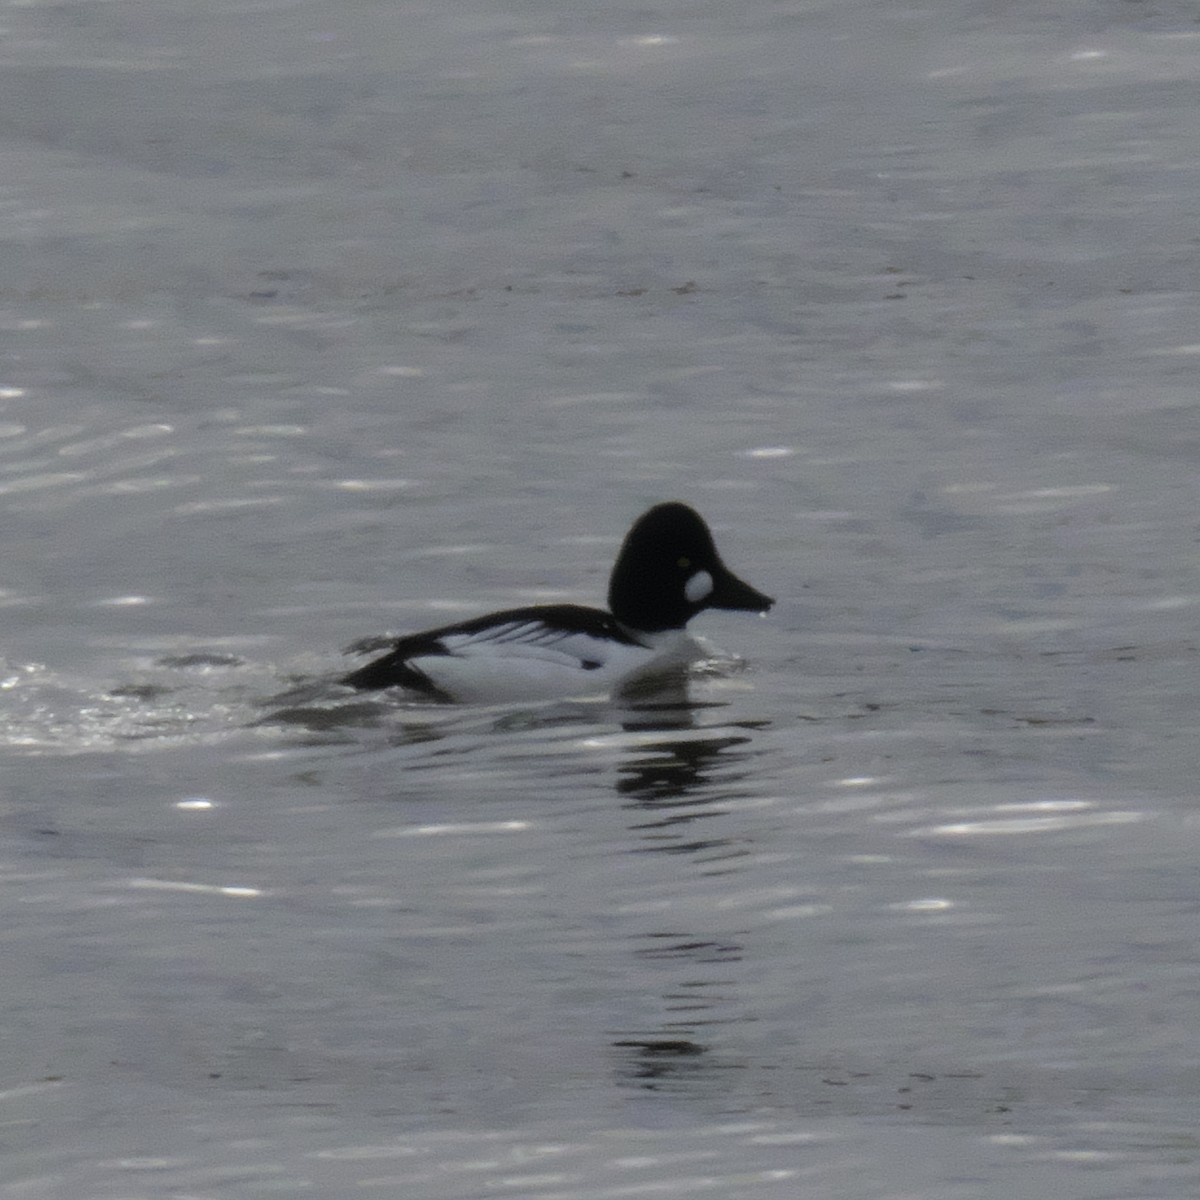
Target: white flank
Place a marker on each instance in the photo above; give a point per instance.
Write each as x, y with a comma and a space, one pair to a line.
530, 661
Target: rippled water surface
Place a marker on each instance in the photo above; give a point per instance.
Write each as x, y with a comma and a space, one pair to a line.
319, 321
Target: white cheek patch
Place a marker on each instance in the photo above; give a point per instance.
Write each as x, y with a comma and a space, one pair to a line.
699, 587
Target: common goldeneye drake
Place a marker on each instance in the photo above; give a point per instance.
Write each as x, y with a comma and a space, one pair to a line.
668, 570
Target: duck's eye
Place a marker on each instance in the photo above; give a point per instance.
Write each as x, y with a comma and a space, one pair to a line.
684, 563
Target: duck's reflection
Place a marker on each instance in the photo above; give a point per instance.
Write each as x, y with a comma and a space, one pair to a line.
674, 786
686, 775
694, 772
676, 1053
657, 1062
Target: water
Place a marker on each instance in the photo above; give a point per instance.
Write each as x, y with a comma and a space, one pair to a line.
320, 321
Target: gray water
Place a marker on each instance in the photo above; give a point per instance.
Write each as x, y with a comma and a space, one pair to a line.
322, 320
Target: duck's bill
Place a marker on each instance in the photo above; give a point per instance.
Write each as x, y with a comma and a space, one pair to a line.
731, 592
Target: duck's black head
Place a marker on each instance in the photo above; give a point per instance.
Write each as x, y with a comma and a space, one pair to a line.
669, 570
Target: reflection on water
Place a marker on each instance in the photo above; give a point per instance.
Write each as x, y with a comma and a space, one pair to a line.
668, 784
671, 782
675, 1055
676, 763
658, 1062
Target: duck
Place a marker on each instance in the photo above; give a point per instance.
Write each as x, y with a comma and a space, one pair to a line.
667, 571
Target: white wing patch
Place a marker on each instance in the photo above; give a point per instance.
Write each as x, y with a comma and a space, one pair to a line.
531, 640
